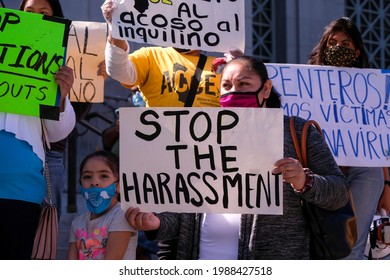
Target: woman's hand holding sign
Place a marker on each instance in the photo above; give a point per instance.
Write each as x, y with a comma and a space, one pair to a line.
292, 171
64, 78
141, 220
107, 8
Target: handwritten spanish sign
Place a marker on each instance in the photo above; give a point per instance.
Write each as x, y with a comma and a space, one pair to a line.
209, 25
350, 104
85, 51
32, 50
201, 160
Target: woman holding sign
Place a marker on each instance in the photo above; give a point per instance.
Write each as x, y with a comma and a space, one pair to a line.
56, 155
164, 75
23, 185
341, 45
245, 83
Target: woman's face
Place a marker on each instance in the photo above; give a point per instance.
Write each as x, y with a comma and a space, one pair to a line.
241, 86
341, 39
237, 76
38, 7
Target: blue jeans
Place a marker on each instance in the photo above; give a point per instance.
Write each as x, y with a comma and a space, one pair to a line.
366, 184
56, 163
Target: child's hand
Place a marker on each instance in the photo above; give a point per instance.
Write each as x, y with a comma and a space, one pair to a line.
141, 220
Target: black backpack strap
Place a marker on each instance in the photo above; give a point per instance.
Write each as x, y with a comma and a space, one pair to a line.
195, 81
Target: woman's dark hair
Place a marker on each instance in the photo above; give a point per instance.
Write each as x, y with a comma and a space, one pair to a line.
111, 159
258, 66
55, 6
345, 25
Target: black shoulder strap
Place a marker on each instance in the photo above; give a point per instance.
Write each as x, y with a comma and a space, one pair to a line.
195, 81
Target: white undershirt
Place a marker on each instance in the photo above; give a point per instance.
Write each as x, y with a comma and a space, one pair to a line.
119, 66
29, 128
219, 236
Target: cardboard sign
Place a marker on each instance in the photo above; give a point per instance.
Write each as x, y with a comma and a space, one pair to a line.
32, 50
201, 160
86, 44
201, 25
350, 104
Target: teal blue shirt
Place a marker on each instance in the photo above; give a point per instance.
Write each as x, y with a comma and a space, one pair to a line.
21, 170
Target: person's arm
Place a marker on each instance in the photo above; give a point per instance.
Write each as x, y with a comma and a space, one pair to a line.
384, 201
328, 186
58, 130
110, 136
73, 253
117, 244
118, 65
122, 44
157, 226
142, 220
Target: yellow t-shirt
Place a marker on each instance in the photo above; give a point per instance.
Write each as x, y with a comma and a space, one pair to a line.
164, 78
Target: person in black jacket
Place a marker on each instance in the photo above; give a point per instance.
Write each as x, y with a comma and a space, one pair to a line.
245, 83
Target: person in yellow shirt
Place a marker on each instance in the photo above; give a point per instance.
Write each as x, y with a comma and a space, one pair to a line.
163, 74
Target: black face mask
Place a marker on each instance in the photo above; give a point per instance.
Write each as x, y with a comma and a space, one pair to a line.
339, 56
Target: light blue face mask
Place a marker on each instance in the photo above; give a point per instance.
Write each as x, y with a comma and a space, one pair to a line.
98, 199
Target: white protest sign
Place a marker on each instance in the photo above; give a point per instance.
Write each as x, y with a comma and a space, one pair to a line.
86, 44
201, 159
350, 104
209, 25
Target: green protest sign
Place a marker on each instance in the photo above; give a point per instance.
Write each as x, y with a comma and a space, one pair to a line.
32, 48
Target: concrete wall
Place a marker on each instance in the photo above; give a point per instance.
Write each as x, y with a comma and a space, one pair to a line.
305, 22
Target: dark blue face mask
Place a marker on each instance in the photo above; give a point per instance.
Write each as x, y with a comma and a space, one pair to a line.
244, 99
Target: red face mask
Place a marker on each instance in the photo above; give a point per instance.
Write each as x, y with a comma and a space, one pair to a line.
244, 99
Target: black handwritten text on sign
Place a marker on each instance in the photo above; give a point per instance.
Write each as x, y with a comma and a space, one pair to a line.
201, 160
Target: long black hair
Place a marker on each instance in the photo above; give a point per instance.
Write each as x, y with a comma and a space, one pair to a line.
55, 6
345, 25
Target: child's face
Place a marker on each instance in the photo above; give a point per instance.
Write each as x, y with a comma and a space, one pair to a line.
96, 173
